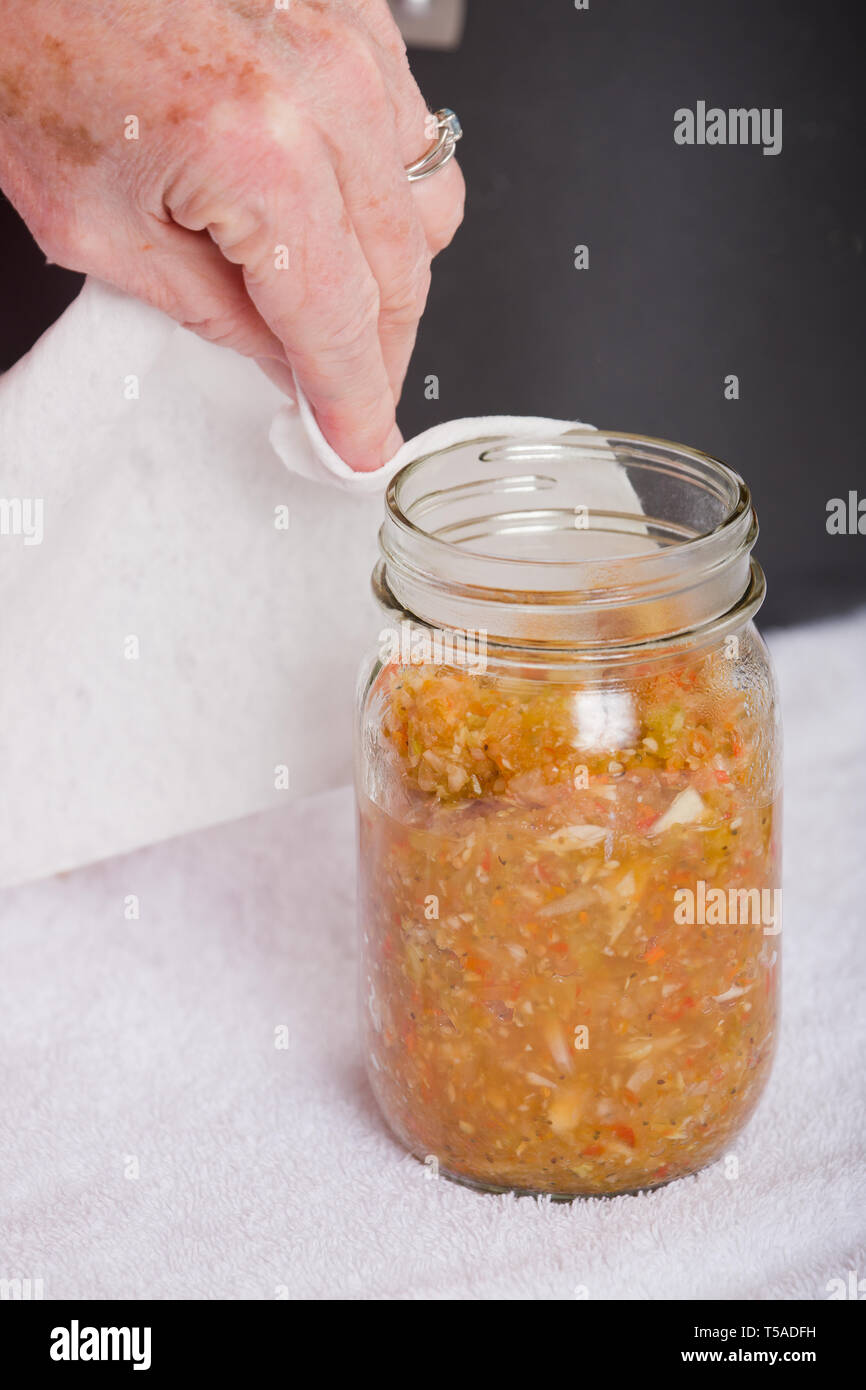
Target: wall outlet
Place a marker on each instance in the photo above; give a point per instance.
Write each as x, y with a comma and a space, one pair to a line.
430, 23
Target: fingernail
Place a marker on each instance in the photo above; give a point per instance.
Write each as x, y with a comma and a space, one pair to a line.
367, 460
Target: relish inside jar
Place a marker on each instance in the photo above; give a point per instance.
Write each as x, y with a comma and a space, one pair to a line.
569, 906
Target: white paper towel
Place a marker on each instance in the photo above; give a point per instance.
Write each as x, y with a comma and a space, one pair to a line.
166, 647
299, 442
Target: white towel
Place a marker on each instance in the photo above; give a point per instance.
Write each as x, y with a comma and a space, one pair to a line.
170, 656
154, 1142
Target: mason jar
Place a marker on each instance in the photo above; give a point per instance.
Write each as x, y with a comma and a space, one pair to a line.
568, 790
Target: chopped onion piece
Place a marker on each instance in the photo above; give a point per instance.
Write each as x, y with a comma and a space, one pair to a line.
685, 809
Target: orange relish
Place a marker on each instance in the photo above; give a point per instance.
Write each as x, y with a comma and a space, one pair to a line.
569, 906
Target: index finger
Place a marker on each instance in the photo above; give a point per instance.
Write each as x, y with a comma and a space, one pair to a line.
309, 279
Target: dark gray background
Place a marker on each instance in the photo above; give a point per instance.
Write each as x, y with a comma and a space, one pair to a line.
703, 261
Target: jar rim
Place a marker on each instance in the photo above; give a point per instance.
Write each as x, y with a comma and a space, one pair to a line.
584, 437
666, 575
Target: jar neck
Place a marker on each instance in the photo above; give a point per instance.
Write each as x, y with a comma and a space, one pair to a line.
589, 543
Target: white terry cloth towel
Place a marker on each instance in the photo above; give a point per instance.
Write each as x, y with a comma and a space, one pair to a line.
172, 655
160, 1138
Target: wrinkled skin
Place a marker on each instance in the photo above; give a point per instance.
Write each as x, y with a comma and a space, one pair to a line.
258, 128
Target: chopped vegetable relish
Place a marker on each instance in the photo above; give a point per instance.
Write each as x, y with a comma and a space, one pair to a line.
538, 1015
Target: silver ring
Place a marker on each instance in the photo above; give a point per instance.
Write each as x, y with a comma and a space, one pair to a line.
449, 131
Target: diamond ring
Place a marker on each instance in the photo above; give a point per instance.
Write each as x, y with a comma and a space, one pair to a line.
448, 132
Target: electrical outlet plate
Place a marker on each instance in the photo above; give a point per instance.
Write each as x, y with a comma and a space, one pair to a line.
430, 23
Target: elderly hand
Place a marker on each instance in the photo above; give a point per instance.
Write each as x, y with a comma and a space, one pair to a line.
240, 164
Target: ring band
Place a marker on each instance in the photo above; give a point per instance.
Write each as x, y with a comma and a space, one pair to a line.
449, 131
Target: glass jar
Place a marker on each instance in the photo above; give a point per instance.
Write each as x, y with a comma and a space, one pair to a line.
568, 788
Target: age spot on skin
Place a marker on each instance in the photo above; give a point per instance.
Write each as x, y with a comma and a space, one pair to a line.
57, 52
247, 11
237, 77
250, 80
76, 143
14, 92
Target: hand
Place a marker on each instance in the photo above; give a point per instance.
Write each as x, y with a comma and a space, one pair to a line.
241, 167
